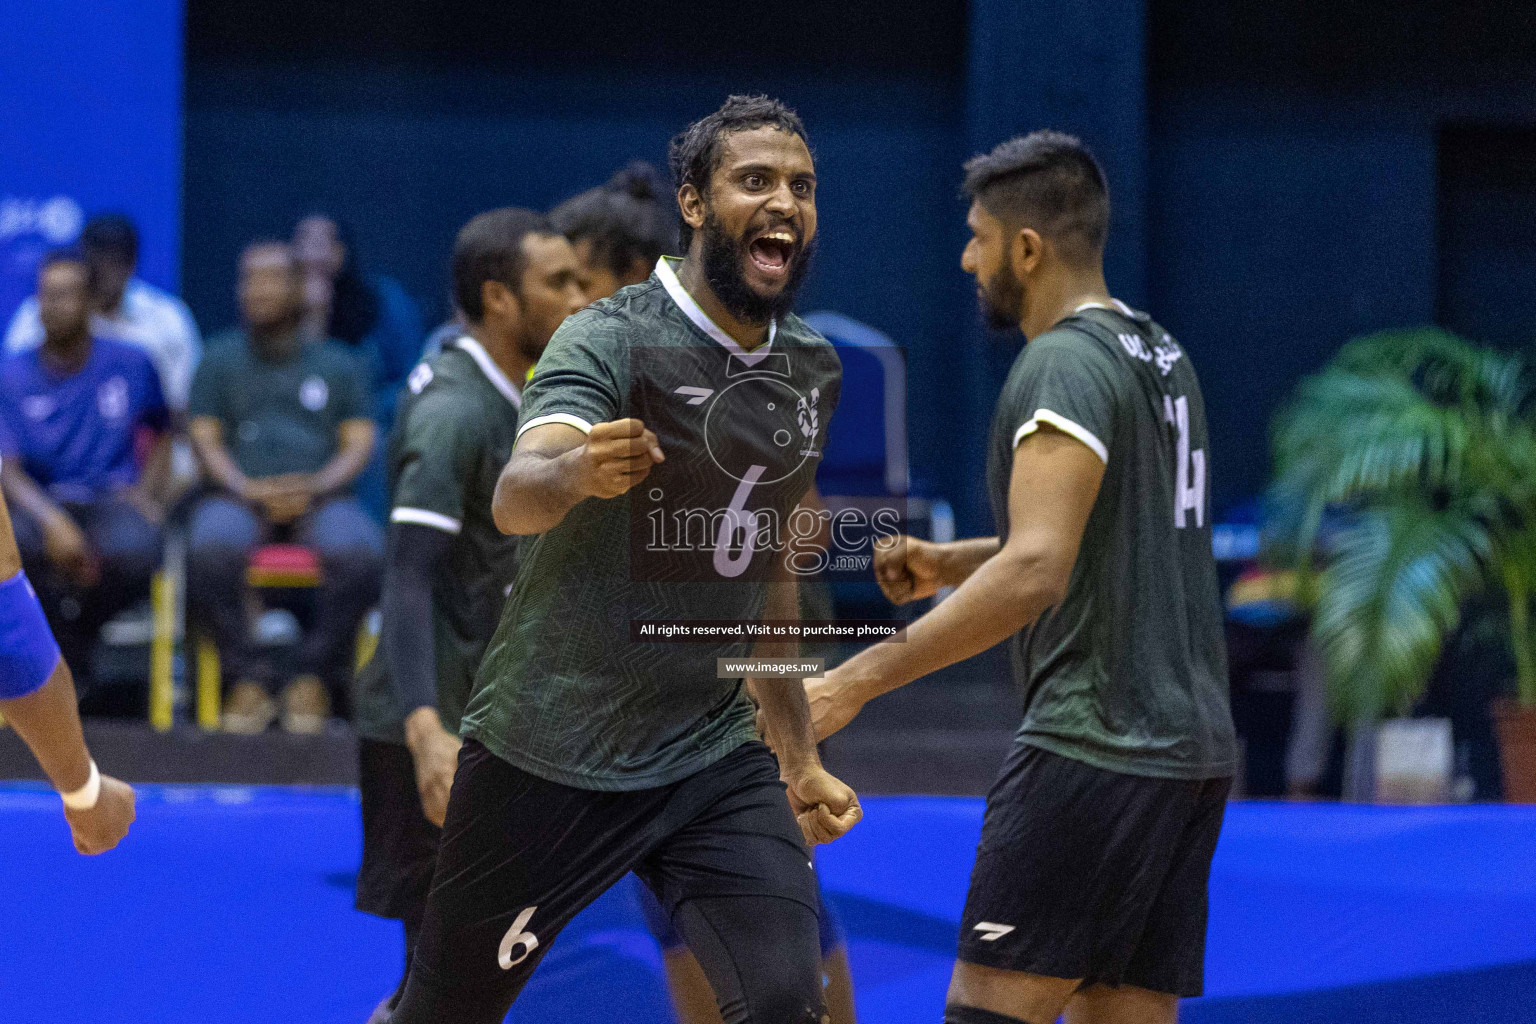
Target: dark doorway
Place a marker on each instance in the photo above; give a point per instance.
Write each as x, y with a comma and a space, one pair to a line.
1487, 233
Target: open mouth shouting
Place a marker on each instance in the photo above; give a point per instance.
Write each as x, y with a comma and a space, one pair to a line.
771, 254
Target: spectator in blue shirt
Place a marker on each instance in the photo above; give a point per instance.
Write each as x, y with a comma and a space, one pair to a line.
85, 446
125, 308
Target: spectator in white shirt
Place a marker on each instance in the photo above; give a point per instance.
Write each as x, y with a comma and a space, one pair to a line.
126, 309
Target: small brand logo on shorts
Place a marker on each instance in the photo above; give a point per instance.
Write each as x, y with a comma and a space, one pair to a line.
992, 932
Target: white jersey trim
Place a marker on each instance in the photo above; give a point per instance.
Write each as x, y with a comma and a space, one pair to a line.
425, 517
1066, 426
1118, 305
492, 372
556, 417
702, 321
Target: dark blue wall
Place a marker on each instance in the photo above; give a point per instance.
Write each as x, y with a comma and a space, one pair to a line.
1274, 166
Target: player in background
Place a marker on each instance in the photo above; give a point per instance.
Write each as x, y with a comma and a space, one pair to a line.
37, 699
619, 230
1089, 892
588, 754
448, 567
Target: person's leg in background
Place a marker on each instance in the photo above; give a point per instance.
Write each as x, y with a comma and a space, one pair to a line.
350, 546
55, 593
399, 849
221, 536
128, 550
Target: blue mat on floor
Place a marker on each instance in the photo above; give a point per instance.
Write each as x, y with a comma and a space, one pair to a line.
235, 905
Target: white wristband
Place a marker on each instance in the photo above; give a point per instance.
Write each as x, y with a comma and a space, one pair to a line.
84, 798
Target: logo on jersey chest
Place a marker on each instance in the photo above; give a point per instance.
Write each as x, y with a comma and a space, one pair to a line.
112, 399
314, 393
741, 432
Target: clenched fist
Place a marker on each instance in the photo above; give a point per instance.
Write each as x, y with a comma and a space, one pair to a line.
907, 569
103, 826
617, 456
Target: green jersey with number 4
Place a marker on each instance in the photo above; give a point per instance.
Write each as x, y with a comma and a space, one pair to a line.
1129, 672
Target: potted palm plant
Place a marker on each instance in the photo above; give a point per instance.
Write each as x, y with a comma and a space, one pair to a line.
1424, 445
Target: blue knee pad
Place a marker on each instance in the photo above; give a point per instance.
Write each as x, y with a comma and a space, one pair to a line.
28, 651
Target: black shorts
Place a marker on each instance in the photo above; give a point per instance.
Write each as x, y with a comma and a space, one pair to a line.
1092, 874
399, 843
521, 856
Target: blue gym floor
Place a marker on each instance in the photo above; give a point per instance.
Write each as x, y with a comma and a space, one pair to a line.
235, 905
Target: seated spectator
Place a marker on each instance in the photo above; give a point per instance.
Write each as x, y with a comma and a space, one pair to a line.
125, 309
619, 230
281, 426
79, 417
371, 312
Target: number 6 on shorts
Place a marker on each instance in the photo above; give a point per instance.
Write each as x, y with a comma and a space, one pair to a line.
517, 937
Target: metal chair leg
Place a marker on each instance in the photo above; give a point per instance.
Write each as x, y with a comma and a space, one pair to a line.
162, 595
209, 695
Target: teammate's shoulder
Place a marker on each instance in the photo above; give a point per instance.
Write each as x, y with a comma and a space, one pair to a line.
449, 378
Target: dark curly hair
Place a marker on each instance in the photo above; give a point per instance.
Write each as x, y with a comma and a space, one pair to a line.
630, 218
695, 151
1048, 181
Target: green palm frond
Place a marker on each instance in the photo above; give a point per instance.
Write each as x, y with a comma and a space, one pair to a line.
1346, 434
1427, 444
1390, 598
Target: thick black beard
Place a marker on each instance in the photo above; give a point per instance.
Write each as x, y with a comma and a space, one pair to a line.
1002, 298
723, 256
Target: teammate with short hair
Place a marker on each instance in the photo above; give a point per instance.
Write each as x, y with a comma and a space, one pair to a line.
448, 567
37, 699
588, 751
1089, 892
619, 231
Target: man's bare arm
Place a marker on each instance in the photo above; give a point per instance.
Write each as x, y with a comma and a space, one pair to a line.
354, 447
1052, 488
958, 559
909, 569
64, 542
24, 492
824, 806
555, 466
207, 435
48, 721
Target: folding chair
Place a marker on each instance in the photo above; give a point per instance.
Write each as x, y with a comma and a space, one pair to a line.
271, 567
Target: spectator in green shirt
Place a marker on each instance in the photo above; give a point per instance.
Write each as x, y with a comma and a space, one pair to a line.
282, 428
